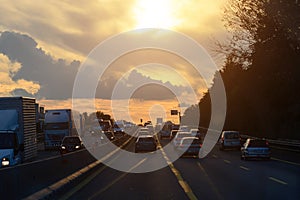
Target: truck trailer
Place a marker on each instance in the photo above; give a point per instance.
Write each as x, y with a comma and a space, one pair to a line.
58, 124
18, 142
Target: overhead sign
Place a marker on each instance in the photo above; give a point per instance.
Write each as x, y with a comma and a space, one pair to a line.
174, 112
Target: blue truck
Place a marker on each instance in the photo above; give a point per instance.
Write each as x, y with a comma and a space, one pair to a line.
18, 141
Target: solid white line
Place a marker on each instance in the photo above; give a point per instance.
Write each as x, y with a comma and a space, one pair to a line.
285, 161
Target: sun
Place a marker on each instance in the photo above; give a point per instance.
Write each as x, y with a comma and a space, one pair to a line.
154, 14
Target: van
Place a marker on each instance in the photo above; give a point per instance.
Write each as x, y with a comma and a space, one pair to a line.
230, 140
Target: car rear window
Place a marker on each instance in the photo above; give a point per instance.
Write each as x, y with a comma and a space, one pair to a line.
232, 135
191, 141
146, 139
258, 143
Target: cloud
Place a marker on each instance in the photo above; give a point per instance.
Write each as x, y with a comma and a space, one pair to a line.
55, 77
41, 75
8, 86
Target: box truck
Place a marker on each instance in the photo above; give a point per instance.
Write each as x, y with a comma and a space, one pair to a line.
18, 142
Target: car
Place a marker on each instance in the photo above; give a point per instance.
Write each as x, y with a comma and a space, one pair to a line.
118, 130
195, 132
189, 146
165, 132
110, 135
255, 148
70, 144
230, 140
179, 136
145, 143
150, 129
143, 133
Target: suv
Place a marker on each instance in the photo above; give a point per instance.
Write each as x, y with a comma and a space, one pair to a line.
230, 139
70, 143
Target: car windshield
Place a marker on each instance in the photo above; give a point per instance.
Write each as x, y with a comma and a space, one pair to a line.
71, 140
7, 140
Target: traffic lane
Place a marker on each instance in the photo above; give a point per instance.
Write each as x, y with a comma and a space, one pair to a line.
235, 179
113, 184
109, 183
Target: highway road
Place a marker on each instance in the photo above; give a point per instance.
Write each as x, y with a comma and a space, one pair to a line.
221, 175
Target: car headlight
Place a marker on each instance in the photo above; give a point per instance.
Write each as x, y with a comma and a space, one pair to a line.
63, 147
5, 162
77, 147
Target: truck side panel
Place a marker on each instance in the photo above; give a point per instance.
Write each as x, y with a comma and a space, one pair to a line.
26, 118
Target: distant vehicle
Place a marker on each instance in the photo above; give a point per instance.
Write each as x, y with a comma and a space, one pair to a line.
110, 135
189, 146
144, 129
150, 129
179, 136
147, 123
119, 129
184, 128
255, 148
165, 132
70, 143
143, 133
230, 139
145, 143
105, 125
58, 124
175, 128
18, 141
195, 132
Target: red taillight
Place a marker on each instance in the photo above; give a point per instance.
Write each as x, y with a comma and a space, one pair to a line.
267, 143
200, 145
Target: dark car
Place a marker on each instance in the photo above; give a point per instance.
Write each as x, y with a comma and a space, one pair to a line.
110, 135
255, 148
145, 143
70, 143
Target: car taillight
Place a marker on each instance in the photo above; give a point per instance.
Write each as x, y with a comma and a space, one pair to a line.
267, 143
200, 145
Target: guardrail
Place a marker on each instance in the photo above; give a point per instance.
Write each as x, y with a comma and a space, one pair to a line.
288, 145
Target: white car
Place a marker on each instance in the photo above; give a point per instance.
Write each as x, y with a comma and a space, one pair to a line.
179, 136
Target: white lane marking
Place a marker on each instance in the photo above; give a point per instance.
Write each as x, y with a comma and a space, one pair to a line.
285, 161
244, 168
277, 180
227, 161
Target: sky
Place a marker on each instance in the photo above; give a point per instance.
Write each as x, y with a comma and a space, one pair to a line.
43, 44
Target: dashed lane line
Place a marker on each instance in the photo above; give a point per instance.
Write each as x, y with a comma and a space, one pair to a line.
184, 185
277, 180
227, 161
245, 168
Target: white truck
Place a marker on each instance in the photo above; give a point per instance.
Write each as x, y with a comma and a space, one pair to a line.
18, 142
58, 124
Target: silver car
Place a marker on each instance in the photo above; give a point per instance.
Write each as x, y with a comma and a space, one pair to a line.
230, 140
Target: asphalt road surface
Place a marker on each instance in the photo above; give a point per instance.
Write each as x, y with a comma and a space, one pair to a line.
220, 175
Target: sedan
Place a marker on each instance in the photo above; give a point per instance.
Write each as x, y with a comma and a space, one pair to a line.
145, 143
189, 146
70, 143
255, 148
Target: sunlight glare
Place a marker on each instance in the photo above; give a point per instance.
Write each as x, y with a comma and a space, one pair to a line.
154, 14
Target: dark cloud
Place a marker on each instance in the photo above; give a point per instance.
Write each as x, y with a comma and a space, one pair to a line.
56, 77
